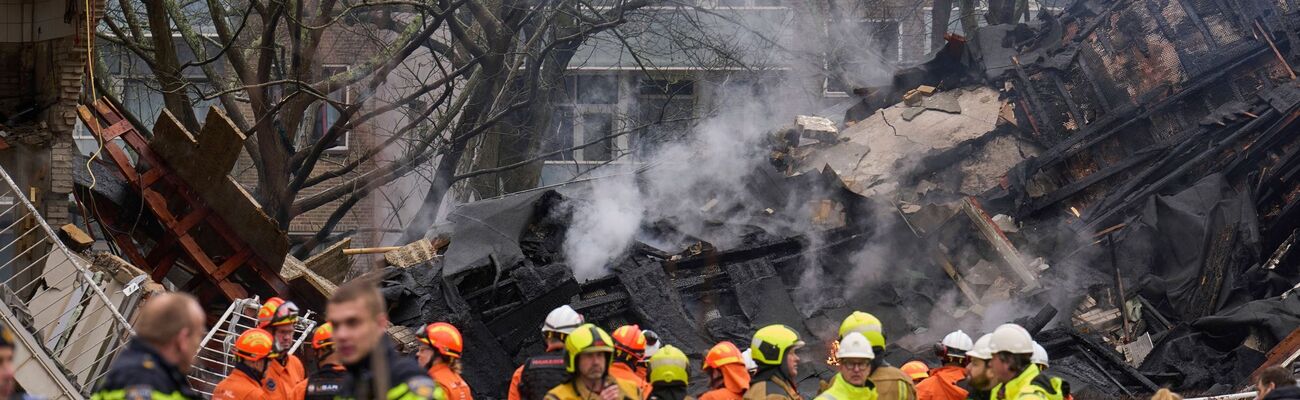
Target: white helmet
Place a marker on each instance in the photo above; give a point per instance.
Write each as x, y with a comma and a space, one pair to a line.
748, 357
957, 344
855, 346
562, 320
981, 348
1011, 338
1040, 355
652, 343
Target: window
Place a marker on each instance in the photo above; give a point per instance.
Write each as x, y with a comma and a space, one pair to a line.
327, 114
143, 98
663, 114
584, 115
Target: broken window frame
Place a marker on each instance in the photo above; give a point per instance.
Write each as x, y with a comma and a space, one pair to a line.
682, 101
578, 113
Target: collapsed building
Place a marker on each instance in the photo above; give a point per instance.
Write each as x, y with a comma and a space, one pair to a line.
1119, 178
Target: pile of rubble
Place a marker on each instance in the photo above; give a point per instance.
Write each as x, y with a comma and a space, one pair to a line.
1119, 178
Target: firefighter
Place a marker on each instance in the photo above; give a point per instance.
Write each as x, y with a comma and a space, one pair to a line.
854, 357
629, 350
247, 381
440, 355
588, 353
668, 376
1039, 357
1017, 376
728, 375
916, 369
328, 379
891, 383
979, 377
278, 317
540, 373
169, 331
773, 348
944, 381
356, 310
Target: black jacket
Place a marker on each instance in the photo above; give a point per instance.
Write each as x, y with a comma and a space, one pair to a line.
406, 380
326, 382
1289, 392
670, 391
139, 372
541, 373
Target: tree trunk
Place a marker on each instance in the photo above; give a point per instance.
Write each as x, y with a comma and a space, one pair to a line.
940, 15
168, 67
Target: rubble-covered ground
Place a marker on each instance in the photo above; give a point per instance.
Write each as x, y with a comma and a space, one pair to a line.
1119, 178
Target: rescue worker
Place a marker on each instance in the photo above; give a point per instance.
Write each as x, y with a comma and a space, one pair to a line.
540, 373
588, 352
356, 310
668, 376
285, 370
916, 369
629, 350
728, 375
1017, 376
652, 345
440, 355
8, 386
774, 349
1059, 388
854, 358
330, 375
1276, 383
891, 383
247, 382
944, 382
153, 365
979, 377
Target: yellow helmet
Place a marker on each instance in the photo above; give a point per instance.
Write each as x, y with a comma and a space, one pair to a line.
771, 344
669, 365
587, 338
866, 324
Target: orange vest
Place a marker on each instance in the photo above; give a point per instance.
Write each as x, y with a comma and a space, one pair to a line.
942, 384
283, 376
240, 386
622, 371
452, 384
514, 384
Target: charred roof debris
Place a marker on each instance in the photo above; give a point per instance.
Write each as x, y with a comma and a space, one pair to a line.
1119, 178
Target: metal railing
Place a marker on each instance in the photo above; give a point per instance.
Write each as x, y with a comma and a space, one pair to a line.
64, 312
216, 355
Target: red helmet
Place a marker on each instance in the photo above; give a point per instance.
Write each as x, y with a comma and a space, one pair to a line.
630, 340
254, 345
323, 336
444, 338
277, 312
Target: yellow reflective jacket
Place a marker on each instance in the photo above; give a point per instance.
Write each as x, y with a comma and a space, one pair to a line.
843, 390
1022, 387
892, 383
571, 390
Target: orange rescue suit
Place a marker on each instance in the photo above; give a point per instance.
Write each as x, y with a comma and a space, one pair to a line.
735, 381
942, 384
621, 371
287, 373
240, 386
452, 384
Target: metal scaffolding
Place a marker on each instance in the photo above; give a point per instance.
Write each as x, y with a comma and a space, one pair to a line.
216, 355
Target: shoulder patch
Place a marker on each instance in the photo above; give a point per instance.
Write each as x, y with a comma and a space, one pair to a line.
423, 388
147, 364
270, 385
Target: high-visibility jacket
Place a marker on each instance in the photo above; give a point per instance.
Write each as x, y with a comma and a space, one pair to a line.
892, 383
571, 390
943, 384
843, 390
1057, 388
538, 375
735, 381
243, 384
406, 380
450, 382
285, 371
622, 371
769, 384
1022, 387
139, 372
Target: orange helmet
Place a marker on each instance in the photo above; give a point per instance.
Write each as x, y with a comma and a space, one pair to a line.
721, 354
629, 339
443, 337
254, 345
277, 312
916, 370
323, 336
